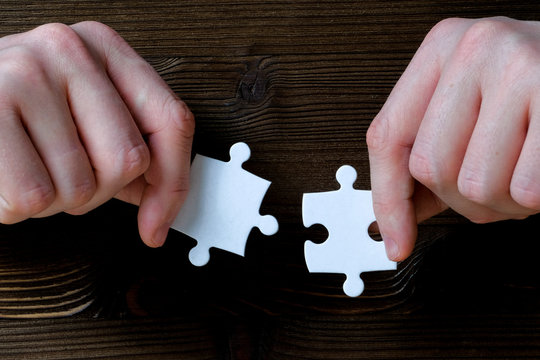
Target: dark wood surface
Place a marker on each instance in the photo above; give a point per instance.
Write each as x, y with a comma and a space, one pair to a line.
300, 82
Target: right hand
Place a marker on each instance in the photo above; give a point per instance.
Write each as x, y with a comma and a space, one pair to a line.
461, 129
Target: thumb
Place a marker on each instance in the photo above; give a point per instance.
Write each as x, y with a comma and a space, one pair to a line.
399, 202
390, 138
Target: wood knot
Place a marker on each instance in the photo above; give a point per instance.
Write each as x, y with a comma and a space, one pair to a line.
252, 88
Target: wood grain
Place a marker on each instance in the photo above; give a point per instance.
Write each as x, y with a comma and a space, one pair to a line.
406, 337
300, 82
108, 339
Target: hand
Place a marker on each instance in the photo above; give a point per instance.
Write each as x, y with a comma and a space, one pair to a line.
461, 129
85, 119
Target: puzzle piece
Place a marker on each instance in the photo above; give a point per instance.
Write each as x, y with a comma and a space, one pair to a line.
222, 205
347, 214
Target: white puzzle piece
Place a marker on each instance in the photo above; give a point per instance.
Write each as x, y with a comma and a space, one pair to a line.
222, 205
347, 214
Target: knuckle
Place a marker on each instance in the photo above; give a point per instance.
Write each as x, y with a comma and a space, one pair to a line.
472, 186
477, 41
105, 36
20, 69
82, 192
102, 30
181, 185
36, 198
95, 26
386, 137
424, 169
443, 28
59, 42
58, 38
526, 192
377, 134
28, 202
485, 30
133, 161
183, 116
182, 119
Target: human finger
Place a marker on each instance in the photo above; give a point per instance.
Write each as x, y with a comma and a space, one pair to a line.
493, 151
47, 120
525, 183
25, 186
443, 137
390, 139
117, 152
161, 117
112, 141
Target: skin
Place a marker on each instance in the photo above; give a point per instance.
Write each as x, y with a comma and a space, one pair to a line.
86, 119
460, 130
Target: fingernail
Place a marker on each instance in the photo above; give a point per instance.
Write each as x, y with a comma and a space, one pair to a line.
160, 235
392, 248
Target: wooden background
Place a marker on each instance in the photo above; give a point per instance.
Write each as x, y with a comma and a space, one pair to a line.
299, 81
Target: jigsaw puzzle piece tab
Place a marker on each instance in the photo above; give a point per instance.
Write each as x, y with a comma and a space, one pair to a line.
222, 205
347, 214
